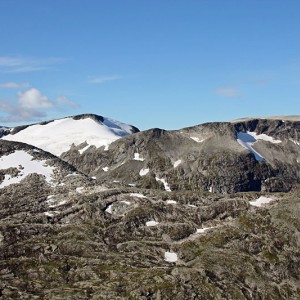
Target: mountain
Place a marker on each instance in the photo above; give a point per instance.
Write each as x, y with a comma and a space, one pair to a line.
227, 157
57, 136
205, 212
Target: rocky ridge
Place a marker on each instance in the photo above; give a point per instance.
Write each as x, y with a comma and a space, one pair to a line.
185, 214
207, 157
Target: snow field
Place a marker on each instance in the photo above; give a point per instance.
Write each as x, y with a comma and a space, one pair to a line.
25, 163
58, 136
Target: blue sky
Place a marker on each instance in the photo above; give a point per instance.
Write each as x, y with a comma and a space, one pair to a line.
158, 63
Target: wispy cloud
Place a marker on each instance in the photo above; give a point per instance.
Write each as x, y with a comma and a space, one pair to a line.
103, 79
10, 64
15, 113
31, 105
262, 82
228, 92
13, 85
64, 101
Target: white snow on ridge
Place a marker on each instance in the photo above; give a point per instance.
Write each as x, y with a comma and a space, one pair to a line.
25, 163
247, 139
296, 142
58, 204
144, 172
196, 139
171, 257
167, 187
151, 223
109, 209
120, 128
80, 189
83, 149
58, 136
261, 201
177, 163
105, 169
138, 195
202, 230
171, 202
263, 137
137, 157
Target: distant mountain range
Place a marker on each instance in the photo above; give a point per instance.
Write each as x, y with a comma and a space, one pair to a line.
223, 157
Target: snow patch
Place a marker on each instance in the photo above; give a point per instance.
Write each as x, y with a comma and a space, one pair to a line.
58, 204
171, 257
137, 157
192, 205
166, 185
26, 165
72, 174
196, 139
138, 195
151, 223
144, 172
48, 214
296, 142
263, 137
109, 209
261, 201
171, 202
51, 213
126, 202
84, 149
202, 230
80, 189
247, 139
105, 169
177, 163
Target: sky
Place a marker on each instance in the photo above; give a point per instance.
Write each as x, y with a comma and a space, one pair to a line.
159, 63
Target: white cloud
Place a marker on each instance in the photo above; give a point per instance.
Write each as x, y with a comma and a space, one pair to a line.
228, 92
63, 100
16, 113
31, 105
10, 64
103, 79
13, 85
34, 99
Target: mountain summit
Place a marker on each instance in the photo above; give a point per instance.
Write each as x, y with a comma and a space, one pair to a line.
57, 136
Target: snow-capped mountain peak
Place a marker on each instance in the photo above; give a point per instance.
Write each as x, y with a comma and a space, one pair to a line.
58, 136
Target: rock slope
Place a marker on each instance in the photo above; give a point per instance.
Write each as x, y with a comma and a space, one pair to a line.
185, 214
251, 155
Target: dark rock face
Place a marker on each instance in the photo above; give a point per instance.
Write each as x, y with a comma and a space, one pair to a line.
209, 154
